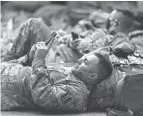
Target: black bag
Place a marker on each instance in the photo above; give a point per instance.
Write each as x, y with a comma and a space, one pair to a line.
129, 94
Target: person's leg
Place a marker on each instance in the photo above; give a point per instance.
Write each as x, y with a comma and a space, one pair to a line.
30, 32
12, 91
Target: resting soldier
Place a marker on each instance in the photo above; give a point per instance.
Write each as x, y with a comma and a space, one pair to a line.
99, 100
52, 88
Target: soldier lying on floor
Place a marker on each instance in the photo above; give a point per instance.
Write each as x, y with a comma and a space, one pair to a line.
51, 88
34, 30
93, 38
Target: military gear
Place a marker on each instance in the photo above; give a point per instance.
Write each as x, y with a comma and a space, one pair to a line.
123, 49
129, 93
97, 39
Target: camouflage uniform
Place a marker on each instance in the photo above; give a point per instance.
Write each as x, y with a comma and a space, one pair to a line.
15, 91
104, 94
33, 31
97, 39
88, 41
21, 88
30, 32
52, 88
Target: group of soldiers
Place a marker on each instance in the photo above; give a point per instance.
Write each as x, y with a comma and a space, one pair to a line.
104, 51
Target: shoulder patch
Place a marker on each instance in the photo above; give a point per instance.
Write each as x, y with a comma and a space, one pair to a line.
66, 98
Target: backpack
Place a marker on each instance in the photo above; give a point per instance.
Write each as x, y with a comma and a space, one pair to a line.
129, 94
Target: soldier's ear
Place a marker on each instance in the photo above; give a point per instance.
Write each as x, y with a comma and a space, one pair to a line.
93, 76
74, 35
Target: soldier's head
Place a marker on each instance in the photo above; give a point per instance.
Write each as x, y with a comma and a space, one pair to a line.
93, 68
120, 20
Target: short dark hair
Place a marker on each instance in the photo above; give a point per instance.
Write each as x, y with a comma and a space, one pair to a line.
106, 63
125, 11
128, 21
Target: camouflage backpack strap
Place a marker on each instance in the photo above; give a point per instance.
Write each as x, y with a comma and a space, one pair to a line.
136, 33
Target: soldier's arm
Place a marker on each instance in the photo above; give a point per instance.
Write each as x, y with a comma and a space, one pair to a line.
51, 95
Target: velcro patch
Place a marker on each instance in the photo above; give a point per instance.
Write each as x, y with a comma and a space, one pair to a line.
66, 98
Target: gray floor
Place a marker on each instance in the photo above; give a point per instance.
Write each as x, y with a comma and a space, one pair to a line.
16, 113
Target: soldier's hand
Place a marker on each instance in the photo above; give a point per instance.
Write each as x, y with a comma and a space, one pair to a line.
75, 44
38, 51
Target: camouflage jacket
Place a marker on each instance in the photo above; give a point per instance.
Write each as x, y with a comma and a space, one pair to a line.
103, 95
48, 88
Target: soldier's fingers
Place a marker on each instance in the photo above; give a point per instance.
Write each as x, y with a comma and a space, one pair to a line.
38, 46
33, 47
42, 44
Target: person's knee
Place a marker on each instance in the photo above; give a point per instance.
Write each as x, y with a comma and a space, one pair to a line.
38, 28
32, 25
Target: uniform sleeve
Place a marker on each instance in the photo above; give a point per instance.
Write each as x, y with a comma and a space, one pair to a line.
60, 96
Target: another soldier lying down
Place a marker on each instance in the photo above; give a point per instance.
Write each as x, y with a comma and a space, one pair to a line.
51, 88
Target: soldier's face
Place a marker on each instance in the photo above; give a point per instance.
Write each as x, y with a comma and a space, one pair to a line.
87, 69
116, 20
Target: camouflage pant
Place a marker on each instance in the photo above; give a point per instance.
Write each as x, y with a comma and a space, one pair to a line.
13, 92
30, 32
33, 31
